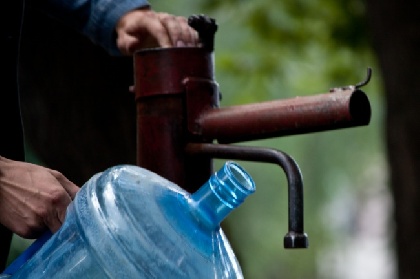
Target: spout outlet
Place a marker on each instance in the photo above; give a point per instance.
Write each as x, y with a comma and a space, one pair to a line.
295, 240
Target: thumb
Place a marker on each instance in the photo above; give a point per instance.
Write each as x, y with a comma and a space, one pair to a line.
57, 215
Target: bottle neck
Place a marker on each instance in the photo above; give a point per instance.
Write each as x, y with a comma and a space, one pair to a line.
222, 193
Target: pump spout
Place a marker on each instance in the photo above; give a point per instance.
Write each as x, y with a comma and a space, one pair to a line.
337, 109
296, 237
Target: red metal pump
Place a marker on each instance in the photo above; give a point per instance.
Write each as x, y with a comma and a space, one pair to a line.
179, 120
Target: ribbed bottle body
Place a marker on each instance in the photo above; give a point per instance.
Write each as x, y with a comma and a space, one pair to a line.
128, 222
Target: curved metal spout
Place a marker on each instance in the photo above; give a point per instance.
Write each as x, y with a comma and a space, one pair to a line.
296, 237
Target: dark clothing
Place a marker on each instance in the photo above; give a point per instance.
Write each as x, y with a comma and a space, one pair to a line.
11, 135
95, 19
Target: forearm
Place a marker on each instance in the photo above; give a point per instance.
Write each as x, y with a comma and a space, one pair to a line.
96, 19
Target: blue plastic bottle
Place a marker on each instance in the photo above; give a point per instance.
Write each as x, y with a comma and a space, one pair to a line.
128, 222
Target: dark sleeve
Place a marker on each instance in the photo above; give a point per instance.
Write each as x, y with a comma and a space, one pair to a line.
96, 19
11, 133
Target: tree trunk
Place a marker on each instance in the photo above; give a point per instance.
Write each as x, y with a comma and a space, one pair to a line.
395, 27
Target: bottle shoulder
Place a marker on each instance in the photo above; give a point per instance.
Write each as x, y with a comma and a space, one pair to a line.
148, 217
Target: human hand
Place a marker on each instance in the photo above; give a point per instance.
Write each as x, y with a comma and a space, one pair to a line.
144, 28
33, 198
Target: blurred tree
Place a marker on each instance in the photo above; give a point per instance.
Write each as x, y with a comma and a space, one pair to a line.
395, 28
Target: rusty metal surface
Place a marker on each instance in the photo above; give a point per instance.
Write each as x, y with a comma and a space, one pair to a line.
160, 137
200, 95
162, 77
342, 109
296, 237
162, 71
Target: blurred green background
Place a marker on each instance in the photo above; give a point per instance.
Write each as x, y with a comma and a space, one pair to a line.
272, 49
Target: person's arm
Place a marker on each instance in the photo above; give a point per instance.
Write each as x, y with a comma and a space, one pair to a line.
145, 28
135, 24
33, 198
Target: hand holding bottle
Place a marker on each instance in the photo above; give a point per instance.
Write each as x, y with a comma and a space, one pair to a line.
33, 198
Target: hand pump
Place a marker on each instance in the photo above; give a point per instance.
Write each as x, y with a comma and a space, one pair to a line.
179, 120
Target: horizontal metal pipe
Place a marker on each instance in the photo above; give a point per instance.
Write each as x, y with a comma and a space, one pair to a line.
342, 108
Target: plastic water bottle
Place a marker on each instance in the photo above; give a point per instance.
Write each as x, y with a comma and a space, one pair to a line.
128, 222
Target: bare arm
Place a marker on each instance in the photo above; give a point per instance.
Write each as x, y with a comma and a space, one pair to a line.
136, 25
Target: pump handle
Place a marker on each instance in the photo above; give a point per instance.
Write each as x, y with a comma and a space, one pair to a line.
206, 28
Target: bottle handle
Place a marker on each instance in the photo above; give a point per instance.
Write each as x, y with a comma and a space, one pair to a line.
27, 254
